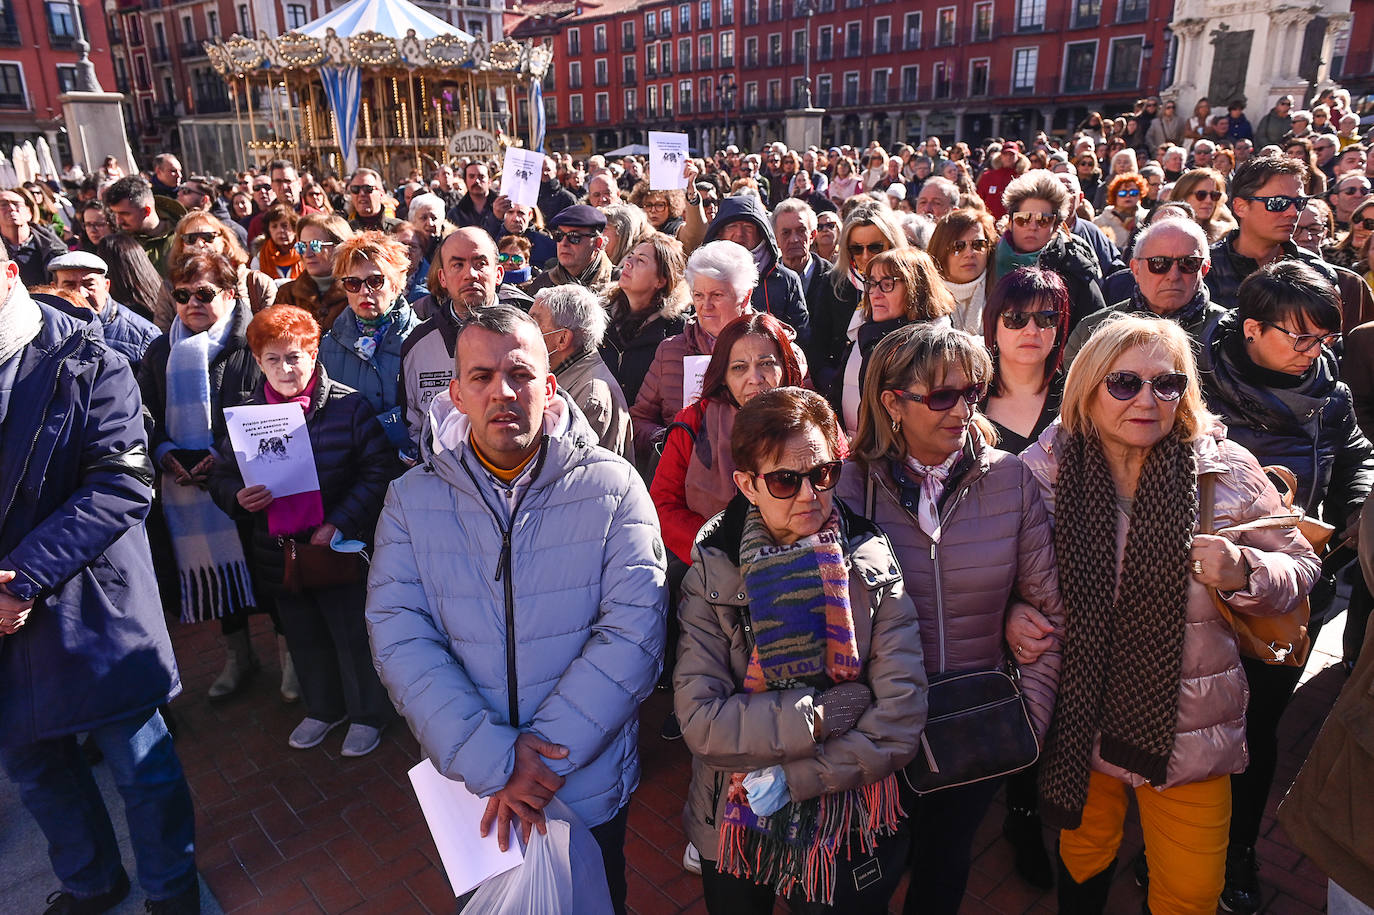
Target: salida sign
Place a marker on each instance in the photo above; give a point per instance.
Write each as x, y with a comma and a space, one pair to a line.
472, 142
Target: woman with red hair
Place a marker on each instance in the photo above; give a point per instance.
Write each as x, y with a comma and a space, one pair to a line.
354, 462
1124, 196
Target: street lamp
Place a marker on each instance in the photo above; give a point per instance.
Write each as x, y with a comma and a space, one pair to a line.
726, 96
808, 9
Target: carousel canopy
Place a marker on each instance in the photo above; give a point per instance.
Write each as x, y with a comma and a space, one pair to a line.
392, 18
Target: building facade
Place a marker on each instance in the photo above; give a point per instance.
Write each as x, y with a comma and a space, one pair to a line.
728, 70
38, 59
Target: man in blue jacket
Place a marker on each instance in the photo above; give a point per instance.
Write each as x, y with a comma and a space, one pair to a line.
83, 642
516, 598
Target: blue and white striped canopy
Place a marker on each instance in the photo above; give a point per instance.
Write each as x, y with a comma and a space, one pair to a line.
390, 17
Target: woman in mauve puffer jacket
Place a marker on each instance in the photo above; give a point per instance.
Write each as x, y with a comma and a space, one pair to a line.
991, 546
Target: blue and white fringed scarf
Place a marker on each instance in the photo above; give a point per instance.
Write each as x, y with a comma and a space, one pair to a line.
210, 560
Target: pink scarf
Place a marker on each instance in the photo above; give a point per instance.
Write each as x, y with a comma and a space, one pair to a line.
933, 480
302, 511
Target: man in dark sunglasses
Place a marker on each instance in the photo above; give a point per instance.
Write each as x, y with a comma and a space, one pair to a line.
578, 233
365, 196
1168, 263
1268, 194
1346, 194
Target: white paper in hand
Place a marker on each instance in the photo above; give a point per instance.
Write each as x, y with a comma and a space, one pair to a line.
667, 154
693, 373
521, 173
454, 815
272, 447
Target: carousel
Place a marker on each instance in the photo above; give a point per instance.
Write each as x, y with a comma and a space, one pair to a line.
376, 83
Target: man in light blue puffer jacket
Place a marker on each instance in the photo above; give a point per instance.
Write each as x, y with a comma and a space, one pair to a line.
516, 602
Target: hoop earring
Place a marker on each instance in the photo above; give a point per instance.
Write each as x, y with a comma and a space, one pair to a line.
896, 425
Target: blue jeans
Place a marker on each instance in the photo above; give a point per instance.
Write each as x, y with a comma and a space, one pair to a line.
57, 788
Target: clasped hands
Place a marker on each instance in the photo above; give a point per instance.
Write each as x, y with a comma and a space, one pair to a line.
532, 784
14, 613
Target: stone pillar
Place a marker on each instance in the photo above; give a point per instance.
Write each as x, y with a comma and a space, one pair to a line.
924, 115
894, 126
1047, 120
95, 129
803, 128
996, 123
1334, 26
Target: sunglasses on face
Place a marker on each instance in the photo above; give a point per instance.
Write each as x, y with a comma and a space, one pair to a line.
1279, 203
978, 244
355, 283
1201, 196
1366, 224
261, 188
191, 238
516, 259
886, 284
358, 189
1041, 220
572, 238
204, 295
1305, 343
1015, 320
1126, 385
942, 400
1128, 192
785, 484
1162, 265
873, 248
315, 246
1356, 191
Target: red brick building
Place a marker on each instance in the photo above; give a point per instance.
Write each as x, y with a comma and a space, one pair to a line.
1353, 65
884, 69
38, 60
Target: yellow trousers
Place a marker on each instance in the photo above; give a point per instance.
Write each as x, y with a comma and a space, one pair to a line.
1185, 840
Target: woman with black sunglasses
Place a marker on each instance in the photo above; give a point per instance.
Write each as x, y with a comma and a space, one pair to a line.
1204, 189
1272, 377
799, 681
1125, 194
318, 237
1037, 234
971, 535
961, 247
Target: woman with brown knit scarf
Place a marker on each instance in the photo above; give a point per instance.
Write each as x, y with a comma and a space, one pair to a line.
1152, 694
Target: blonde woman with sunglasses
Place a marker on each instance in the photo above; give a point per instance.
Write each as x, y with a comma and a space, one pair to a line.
1037, 234
201, 233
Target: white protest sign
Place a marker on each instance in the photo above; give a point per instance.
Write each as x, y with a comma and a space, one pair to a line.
454, 815
272, 447
667, 153
521, 173
693, 373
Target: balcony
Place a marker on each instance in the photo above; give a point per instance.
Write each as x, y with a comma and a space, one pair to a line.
599, 46
9, 35
192, 50
667, 69
751, 59
212, 104
122, 84
825, 52
685, 66
166, 110
158, 55
576, 117
13, 100
627, 42
602, 80
685, 106
603, 117
575, 82
116, 36
727, 60
574, 49
61, 40
775, 57
854, 49
629, 79
666, 31
706, 21
650, 71
705, 62
649, 31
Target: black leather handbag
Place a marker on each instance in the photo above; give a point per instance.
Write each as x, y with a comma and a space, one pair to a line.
977, 728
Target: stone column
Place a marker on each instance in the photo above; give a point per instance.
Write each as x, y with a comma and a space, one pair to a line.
996, 123
924, 115
1334, 26
1047, 120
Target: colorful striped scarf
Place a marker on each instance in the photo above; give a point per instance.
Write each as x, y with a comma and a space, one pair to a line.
803, 634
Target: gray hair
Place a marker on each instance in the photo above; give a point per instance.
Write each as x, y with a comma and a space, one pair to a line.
724, 262
1037, 184
497, 319
945, 186
1176, 150
575, 308
801, 208
370, 172
421, 202
1186, 226
631, 227
1147, 170
917, 229
1204, 146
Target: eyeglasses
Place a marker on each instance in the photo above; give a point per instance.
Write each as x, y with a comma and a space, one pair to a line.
1305, 343
314, 246
1126, 385
572, 238
873, 248
96, 224
1041, 220
942, 400
359, 189
1279, 203
204, 295
191, 238
1313, 232
1161, 265
785, 484
1356, 190
355, 283
1015, 320
1086, 163
886, 284
1128, 192
516, 259
978, 244
1200, 196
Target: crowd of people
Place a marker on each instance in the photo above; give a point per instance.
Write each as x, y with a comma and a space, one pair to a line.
809, 443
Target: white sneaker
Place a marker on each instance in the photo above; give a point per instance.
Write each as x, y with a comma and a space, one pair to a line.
691, 859
311, 733
360, 740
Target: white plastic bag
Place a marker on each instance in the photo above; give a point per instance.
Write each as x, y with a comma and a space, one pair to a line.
562, 873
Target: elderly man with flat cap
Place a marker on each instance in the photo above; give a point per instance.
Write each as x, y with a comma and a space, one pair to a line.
85, 276
578, 232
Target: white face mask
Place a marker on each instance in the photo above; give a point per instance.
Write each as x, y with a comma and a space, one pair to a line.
760, 254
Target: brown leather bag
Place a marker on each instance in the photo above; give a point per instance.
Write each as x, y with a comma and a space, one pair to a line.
1278, 640
309, 567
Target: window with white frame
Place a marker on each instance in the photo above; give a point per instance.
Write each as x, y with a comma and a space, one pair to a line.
882, 78
911, 32
684, 53
1030, 15
882, 34
978, 76
799, 48
575, 75
851, 87
12, 92
1023, 64
1123, 66
911, 83
1080, 61
575, 109
603, 106
727, 49
1086, 13
982, 21
824, 90
574, 41
945, 22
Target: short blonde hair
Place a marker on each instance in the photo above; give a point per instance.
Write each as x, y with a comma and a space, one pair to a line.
390, 256
1109, 342
1037, 184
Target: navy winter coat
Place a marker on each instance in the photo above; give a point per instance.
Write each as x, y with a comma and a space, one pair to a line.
779, 291
376, 379
75, 486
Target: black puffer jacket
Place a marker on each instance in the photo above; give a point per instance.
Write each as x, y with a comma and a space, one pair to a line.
353, 459
779, 290
1309, 428
1229, 268
233, 376
1076, 263
628, 348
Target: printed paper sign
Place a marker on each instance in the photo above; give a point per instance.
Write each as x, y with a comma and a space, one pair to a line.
454, 815
693, 373
521, 173
667, 154
272, 447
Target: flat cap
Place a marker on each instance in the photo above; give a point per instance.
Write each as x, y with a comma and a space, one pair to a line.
78, 260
